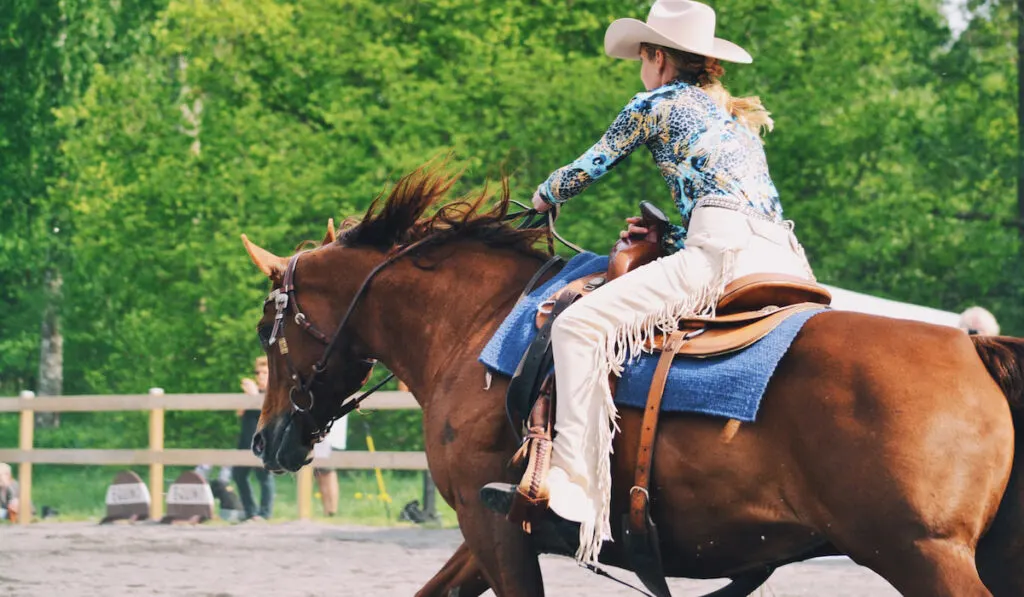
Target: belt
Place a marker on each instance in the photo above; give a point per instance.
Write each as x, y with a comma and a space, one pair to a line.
734, 205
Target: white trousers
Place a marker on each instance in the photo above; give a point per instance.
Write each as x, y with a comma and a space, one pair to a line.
596, 336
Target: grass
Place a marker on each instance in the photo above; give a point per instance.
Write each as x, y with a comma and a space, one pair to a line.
78, 493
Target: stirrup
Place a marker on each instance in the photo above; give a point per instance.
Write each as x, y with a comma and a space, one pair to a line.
518, 508
526, 503
550, 534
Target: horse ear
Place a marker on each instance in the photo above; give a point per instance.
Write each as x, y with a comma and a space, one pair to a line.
271, 265
331, 236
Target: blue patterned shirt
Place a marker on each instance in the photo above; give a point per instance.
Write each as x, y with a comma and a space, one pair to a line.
701, 150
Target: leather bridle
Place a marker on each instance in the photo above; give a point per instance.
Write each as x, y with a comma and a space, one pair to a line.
283, 299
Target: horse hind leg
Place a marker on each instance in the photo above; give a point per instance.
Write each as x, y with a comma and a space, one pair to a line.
460, 577
1000, 557
930, 568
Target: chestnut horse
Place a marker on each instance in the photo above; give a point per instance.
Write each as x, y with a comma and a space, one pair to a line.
886, 440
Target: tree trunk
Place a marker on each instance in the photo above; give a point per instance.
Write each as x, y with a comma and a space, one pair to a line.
1020, 120
51, 348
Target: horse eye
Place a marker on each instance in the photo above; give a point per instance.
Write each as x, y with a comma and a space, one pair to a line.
264, 332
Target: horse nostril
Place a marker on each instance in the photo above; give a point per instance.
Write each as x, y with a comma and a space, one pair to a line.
258, 444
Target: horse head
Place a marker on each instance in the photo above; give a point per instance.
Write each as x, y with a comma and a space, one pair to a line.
325, 321
312, 364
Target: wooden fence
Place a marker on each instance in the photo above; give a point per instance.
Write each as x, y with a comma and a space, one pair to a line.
157, 457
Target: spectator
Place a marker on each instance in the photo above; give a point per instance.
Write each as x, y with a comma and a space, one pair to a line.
249, 420
327, 478
978, 321
8, 494
205, 471
230, 504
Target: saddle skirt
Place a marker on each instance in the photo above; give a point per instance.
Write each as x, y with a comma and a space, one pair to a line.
728, 380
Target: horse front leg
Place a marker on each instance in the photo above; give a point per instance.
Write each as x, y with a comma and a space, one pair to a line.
460, 577
499, 550
468, 445
503, 552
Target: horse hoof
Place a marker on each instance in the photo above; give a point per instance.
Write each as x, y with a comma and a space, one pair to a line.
498, 497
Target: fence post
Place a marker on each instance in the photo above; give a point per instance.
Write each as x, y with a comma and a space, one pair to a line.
156, 470
26, 438
304, 481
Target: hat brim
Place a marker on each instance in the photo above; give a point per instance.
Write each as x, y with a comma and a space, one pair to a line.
624, 36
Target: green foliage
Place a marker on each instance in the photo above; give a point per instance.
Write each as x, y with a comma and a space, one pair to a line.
48, 49
159, 130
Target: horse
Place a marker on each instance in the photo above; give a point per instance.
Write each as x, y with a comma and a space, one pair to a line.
888, 441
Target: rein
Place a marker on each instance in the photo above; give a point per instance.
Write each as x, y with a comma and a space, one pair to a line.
535, 219
284, 297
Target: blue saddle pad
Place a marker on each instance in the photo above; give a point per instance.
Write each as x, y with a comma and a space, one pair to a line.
726, 386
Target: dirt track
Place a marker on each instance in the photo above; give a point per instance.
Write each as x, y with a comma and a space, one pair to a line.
300, 559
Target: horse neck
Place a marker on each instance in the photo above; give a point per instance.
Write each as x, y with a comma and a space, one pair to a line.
427, 324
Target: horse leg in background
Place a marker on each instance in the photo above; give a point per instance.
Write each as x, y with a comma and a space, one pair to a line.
460, 577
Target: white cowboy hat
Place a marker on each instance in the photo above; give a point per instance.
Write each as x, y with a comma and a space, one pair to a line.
680, 24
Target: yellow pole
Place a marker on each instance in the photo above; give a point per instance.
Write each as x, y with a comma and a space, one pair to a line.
156, 470
384, 497
304, 481
26, 437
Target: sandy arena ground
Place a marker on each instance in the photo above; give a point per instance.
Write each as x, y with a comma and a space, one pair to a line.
307, 559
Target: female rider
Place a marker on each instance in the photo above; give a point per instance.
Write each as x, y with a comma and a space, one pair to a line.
708, 147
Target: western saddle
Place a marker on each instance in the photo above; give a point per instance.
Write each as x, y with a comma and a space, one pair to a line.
750, 308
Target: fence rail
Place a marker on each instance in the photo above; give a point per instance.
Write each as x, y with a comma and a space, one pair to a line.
100, 403
157, 403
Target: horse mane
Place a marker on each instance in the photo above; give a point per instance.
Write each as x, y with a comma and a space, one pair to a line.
402, 218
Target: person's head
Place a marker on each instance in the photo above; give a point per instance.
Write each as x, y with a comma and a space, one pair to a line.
6, 477
678, 43
261, 369
978, 320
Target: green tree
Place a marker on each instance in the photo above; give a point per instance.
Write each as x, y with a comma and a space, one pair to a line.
177, 125
49, 49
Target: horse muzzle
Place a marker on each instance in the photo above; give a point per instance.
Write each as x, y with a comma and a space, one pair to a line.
281, 445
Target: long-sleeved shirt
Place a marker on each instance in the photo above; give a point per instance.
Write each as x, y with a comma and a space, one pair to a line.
701, 150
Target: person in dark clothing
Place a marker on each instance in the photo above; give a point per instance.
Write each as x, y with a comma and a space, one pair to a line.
8, 494
249, 420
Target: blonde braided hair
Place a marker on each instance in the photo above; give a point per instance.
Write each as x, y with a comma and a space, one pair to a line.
706, 73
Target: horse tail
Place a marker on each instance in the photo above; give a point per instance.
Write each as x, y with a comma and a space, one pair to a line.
1004, 359
1000, 552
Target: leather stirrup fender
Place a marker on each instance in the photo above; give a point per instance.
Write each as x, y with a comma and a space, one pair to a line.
524, 387
639, 531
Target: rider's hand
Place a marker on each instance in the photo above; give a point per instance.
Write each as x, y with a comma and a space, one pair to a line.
634, 228
539, 203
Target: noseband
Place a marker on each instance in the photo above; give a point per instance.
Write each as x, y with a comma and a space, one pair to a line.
283, 298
